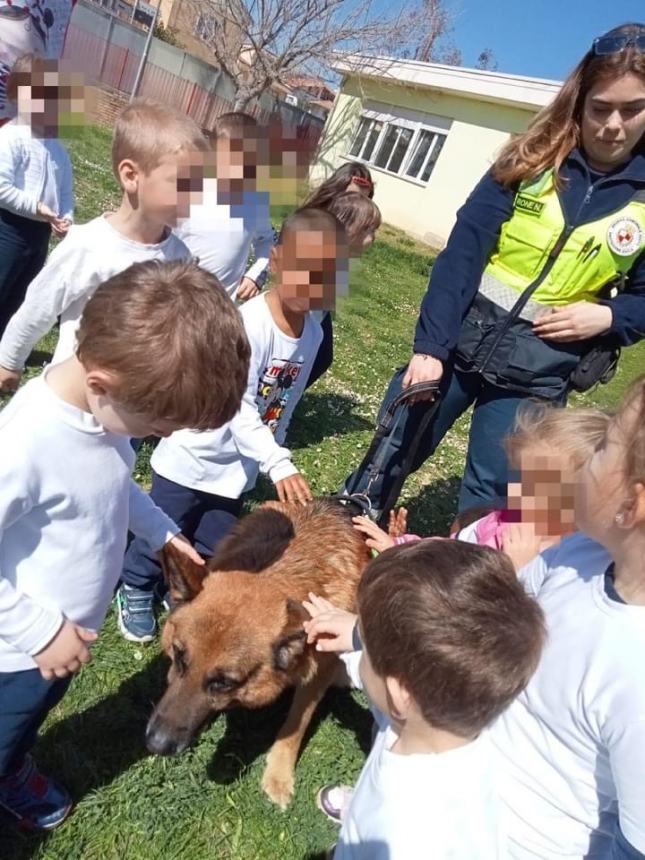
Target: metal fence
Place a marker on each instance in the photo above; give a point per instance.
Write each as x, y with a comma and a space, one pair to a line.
108, 51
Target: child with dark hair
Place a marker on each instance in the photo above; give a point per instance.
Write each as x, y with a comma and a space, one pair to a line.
352, 176
361, 218
446, 638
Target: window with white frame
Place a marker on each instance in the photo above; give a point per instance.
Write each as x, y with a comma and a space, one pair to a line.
407, 147
205, 26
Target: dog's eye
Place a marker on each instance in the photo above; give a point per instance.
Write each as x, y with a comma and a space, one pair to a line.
221, 684
179, 658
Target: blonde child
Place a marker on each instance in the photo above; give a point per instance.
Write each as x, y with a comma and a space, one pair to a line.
572, 747
546, 449
153, 146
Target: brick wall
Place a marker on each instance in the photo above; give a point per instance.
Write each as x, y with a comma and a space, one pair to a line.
105, 104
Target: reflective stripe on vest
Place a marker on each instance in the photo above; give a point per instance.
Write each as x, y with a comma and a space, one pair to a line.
594, 255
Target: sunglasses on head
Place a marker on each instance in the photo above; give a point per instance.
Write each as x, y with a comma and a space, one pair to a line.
615, 44
360, 180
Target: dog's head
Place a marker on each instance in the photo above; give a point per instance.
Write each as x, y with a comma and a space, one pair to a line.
233, 639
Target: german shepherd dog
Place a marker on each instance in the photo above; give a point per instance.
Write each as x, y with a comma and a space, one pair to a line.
236, 637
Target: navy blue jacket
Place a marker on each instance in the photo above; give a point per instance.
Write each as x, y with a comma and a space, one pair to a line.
458, 269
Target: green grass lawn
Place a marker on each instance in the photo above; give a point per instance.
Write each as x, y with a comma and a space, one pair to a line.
208, 803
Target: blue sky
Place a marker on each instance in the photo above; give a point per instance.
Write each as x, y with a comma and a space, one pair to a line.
540, 38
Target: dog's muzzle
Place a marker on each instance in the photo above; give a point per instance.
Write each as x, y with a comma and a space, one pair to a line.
162, 740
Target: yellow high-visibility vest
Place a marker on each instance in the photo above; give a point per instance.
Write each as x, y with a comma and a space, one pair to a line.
593, 255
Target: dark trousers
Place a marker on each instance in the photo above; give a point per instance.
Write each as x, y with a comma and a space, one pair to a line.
23, 251
203, 518
325, 354
486, 473
25, 700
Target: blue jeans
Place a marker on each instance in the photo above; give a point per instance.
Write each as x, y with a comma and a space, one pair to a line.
23, 251
203, 518
486, 473
25, 700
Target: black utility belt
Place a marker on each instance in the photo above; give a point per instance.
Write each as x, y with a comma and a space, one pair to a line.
510, 355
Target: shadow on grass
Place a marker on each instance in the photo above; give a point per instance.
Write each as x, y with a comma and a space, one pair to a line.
39, 357
250, 734
320, 415
433, 509
91, 748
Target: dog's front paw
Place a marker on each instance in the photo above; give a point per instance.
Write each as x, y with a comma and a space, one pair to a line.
278, 786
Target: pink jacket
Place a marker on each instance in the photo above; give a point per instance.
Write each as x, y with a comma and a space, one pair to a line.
487, 531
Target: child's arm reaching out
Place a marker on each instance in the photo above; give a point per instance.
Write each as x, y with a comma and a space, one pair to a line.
148, 521
66, 277
332, 629
253, 439
380, 540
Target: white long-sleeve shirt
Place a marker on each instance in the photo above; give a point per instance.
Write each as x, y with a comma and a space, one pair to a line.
443, 806
32, 170
226, 462
66, 504
90, 254
221, 235
572, 746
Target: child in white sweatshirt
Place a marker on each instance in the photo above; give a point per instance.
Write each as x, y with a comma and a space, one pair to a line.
233, 216
152, 146
446, 639
198, 478
147, 340
36, 194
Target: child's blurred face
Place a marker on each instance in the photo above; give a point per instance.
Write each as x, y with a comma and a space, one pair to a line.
165, 191
307, 264
238, 160
544, 494
50, 104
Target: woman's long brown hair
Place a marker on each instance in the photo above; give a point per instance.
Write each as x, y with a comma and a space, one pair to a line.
555, 131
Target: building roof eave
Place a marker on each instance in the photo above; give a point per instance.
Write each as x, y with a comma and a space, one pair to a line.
514, 90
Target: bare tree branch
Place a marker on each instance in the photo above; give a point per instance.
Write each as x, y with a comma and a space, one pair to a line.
259, 43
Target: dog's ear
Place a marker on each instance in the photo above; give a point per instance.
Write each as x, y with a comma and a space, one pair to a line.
293, 639
183, 576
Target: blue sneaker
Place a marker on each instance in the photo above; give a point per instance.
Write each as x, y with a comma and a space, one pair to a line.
137, 621
36, 801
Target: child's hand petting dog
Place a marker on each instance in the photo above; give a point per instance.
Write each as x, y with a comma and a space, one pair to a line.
66, 651
183, 545
398, 524
376, 538
294, 489
330, 628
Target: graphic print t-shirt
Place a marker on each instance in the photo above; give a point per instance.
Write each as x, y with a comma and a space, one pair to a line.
226, 461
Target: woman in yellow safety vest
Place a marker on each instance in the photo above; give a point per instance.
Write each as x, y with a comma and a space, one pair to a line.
542, 278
